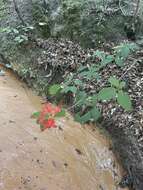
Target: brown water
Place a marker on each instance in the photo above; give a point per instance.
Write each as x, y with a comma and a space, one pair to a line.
67, 158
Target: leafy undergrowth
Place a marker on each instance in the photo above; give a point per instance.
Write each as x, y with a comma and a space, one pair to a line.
80, 85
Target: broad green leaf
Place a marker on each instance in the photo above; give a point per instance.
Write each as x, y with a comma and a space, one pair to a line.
107, 93
92, 115
72, 89
62, 113
122, 52
95, 113
99, 54
85, 118
93, 99
123, 99
90, 74
36, 114
125, 52
77, 117
114, 82
119, 61
81, 98
124, 49
108, 59
54, 89
122, 85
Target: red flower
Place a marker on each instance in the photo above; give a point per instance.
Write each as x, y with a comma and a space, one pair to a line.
56, 110
46, 116
50, 109
47, 108
50, 123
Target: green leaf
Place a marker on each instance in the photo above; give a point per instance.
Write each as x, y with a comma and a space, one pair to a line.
122, 52
93, 99
119, 61
77, 117
108, 59
123, 99
99, 54
62, 113
36, 114
72, 89
85, 118
107, 93
114, 82
78, 82
81, 98
125, 51
90, 74
95, 113
54, 89
122, 85
92, 115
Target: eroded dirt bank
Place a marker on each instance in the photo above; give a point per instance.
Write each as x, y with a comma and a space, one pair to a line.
68, 157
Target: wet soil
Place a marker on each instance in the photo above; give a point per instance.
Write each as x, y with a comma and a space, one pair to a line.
68, 157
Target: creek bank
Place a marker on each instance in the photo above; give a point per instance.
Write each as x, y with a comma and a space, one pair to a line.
67, 157
126, 128
35, 67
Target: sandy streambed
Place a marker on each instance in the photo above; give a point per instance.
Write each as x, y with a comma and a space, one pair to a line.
69, 157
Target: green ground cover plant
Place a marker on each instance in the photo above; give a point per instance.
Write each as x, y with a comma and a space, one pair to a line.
86, 102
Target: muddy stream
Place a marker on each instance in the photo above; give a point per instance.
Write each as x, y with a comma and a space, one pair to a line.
69, 157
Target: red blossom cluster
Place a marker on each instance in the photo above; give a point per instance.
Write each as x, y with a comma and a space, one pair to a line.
46, 118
